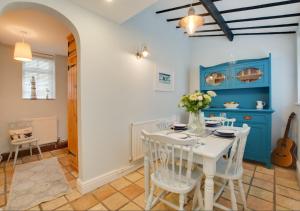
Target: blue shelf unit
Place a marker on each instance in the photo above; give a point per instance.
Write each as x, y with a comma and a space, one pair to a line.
244, 82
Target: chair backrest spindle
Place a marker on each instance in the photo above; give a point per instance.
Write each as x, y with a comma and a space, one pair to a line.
168, 156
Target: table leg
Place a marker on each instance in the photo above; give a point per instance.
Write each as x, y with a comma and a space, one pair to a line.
209, 168
147, 176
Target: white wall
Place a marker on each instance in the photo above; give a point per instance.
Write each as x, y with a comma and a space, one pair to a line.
212, 51
115, 88
14, 108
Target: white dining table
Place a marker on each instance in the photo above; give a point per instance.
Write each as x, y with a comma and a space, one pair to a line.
207, 152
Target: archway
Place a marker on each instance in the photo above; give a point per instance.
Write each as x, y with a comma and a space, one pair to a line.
44, 7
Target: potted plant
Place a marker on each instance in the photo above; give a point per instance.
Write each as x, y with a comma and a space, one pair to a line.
193, 103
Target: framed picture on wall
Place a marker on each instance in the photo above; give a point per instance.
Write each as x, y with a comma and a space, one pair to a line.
164, 80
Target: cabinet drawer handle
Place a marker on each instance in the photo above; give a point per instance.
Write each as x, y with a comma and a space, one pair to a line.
247, 118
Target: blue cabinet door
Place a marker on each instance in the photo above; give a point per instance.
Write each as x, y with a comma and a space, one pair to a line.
259, 139
251, 74
210, 79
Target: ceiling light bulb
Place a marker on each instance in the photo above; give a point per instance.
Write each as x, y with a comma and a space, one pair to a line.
145, 52
191, 22
191, 27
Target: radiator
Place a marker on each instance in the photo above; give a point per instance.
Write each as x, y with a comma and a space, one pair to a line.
45, 129
136, 130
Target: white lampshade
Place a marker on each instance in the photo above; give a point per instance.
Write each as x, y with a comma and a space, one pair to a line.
22, 52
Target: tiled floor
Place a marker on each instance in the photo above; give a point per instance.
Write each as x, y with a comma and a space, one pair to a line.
267, 189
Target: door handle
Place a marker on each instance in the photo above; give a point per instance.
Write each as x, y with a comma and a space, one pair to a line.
247, 118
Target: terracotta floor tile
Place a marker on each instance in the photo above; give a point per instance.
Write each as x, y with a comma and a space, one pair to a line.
104, 192
246, 179
287, 183
285, 173
141, 170
65, 161
120, 183
73, 195
59, 151
287, 202
264, 170
162, 207
141, 183
279, 208
99, 207
131, 207
132, 191
248, 172
258, 204
51, 205
265, 177
115, 201
263, 184
227, 203
249, 166
261, 193
140, 200
85, 202
133, 177
291, 193
66, 207
226, 195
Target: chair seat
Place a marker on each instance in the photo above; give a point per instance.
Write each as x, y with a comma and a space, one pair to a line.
24, 141
231, 174
174, 184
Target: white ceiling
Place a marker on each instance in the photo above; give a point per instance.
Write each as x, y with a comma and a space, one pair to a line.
230, 4
46, 34
116, 10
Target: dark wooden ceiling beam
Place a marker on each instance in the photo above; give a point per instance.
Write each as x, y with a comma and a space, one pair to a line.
256, 19
215, 14
180, 7
252, 27
261, 6
244, 34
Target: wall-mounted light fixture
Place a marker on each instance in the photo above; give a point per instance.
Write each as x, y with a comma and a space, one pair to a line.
143, 53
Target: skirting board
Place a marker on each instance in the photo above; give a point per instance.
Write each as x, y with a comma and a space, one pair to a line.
298, 171
96, 182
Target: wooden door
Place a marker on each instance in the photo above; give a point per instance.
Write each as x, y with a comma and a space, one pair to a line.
72, 101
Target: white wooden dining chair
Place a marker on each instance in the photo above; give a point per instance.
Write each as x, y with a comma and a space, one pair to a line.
231, 169
21, 134
170, 172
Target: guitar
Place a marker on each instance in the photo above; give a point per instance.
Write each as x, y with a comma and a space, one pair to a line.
284, 153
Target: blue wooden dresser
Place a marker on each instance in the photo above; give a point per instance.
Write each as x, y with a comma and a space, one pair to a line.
244, 82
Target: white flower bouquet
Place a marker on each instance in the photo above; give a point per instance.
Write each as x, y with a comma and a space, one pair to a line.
196, 101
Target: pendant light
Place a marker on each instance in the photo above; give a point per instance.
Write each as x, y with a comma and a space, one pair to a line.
22, 50
192, 21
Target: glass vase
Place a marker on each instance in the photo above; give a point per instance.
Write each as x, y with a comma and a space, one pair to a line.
196, 123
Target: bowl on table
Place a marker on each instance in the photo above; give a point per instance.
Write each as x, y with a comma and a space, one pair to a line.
179, 126
231, 105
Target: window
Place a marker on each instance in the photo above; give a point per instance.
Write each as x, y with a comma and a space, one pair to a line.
42, 71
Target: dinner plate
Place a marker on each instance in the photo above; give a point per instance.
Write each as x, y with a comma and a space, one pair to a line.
226, 131
178, 135
178, 125
211, 122
224, 135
